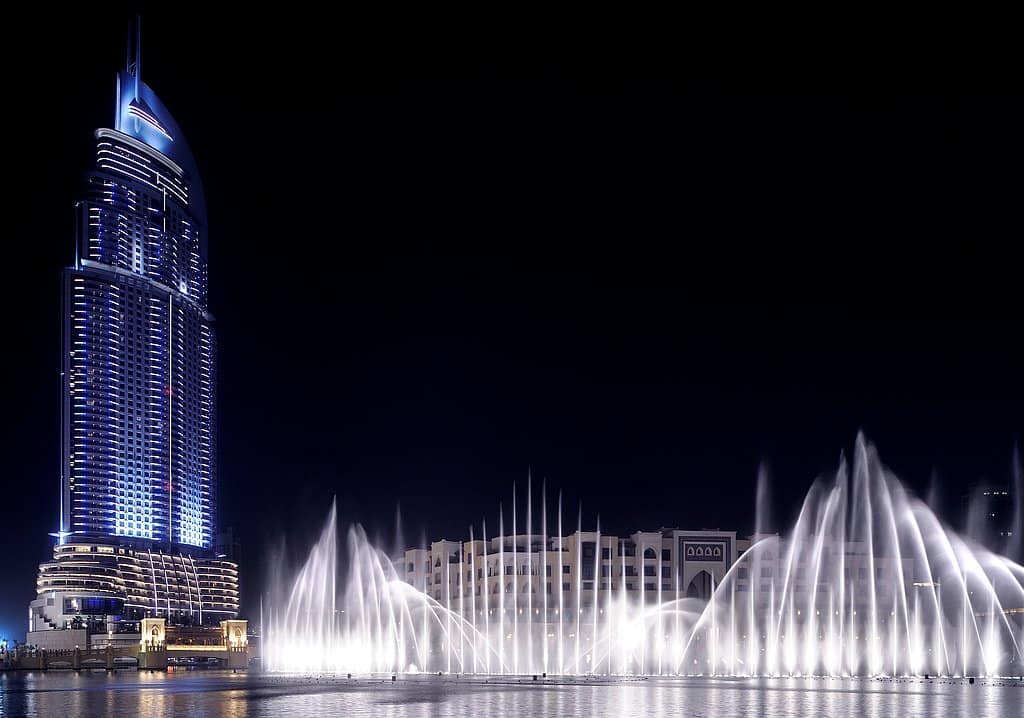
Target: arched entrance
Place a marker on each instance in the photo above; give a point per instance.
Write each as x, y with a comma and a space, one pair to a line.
700, 586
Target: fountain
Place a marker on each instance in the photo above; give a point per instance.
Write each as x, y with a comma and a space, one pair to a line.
868, 582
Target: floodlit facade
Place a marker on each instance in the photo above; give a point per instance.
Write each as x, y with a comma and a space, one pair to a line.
110, 588
139, 348
560, 574
551, 573
138, 472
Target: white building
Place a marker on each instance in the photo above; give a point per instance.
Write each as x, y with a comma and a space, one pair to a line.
536, 573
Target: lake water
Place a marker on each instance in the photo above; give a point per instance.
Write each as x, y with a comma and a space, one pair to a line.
216, 694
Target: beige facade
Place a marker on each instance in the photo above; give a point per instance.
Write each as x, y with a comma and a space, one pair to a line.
553, 574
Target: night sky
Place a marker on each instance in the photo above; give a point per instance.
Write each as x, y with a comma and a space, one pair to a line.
637, 269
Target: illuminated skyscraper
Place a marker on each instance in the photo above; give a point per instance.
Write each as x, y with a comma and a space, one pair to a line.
138, 415
139, 378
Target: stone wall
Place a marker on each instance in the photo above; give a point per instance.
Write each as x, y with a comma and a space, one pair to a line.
58, 640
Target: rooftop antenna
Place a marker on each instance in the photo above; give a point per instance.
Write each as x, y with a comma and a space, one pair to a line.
138, 53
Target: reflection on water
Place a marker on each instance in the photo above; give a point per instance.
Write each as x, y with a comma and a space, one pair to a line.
226, 695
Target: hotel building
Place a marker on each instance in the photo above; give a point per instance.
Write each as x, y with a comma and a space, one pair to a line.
138, 471
556, 574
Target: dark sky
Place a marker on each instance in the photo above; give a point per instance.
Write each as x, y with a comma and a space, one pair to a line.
637, 267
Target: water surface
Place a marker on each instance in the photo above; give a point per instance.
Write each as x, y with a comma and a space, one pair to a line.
217, 694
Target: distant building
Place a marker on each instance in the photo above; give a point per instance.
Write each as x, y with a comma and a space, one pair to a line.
138, 482
552, 574
543, 570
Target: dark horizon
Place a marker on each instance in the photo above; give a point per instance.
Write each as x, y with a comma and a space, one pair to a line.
436, 267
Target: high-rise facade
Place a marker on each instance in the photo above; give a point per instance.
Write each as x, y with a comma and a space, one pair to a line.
139, 410
138, 480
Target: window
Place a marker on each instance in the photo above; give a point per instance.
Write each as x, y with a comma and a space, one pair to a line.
649, 571
606, 553
565, 587
565, 569
649, 553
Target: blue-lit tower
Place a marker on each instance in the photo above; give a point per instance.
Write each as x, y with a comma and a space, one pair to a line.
138, 413
139, 347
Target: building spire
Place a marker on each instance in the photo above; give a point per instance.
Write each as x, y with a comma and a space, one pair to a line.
138, 54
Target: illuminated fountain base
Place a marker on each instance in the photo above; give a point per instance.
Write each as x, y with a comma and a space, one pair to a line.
867, 582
